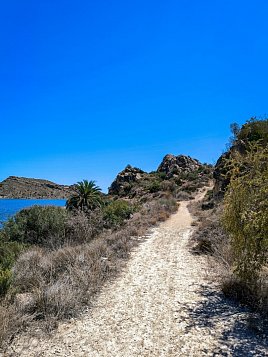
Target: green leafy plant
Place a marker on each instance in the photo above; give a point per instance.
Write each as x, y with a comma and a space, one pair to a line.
8, 254
116, 212
154, 186
36, 225
87, 197
253, 130
9, 251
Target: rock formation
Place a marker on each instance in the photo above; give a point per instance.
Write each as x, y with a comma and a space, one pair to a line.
133, 182
125, 179
174, 165
221, 172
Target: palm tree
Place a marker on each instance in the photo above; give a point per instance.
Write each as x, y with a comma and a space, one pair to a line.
87, 197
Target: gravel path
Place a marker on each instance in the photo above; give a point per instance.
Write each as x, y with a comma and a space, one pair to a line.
163, 304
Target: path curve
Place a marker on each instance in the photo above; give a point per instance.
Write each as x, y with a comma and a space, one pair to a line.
163, 304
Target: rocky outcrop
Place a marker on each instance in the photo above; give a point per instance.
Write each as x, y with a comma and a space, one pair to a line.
221, 174
133, 182
22, 187
174, 165
125, 180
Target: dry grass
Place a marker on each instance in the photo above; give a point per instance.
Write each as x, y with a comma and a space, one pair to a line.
211, 239
51, 285
12, 321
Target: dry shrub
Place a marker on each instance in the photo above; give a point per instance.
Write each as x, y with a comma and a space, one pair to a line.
31, 270
183, 196
8, 320
162, 216
60, 282
12, 321
57, 300
254, 295
82, 227
238, 290
169, 186
156, 211
210, 238
120, 245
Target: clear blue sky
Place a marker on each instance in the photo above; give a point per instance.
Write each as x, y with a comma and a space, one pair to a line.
87, 87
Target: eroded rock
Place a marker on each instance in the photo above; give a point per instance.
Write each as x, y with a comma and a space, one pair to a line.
174, 165
124, 180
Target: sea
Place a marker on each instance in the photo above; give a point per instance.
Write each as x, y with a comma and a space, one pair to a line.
9, 207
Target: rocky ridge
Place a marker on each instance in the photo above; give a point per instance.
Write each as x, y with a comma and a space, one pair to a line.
173, 170
22, 187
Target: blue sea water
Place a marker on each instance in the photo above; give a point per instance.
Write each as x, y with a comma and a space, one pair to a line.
9, 207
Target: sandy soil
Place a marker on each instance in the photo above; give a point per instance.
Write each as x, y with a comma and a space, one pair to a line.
164, 304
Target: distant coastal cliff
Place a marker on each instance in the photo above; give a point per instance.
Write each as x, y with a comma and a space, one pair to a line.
22, 187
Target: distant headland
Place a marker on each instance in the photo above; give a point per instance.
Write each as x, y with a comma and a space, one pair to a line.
23, 187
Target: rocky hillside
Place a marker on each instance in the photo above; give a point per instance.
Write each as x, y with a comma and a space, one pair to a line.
175, 174
22, 187
252, 132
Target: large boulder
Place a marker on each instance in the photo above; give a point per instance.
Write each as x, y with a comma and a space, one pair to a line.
125, 180
174, 165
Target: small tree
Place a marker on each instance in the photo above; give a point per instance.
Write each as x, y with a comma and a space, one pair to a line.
87, 197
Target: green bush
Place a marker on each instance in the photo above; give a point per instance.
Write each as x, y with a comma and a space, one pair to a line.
9, 251
127, 188
253, 130
246, 212
116, 212
5, 280
192, 176
168, 185
161, 175
37, 225
155, 186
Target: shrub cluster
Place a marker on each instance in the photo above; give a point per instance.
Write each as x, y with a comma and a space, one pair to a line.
68, 256
253, 130
116, 212
37, 225
245, 218
235, 231
9, 251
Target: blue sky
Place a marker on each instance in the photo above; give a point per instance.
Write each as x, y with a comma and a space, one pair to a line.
87, 87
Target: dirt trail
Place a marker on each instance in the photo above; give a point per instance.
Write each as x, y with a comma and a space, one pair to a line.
164, 304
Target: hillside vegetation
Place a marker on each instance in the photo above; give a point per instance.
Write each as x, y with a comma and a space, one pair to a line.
234, 224
54, 260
